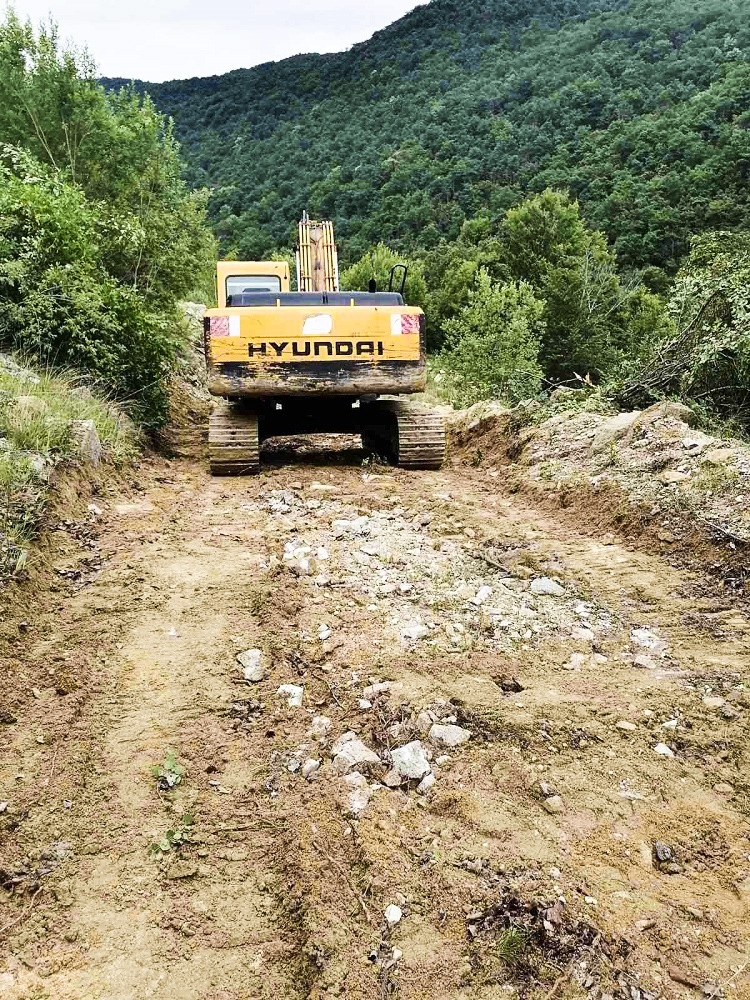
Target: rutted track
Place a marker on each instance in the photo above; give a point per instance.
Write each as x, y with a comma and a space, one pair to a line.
281, 890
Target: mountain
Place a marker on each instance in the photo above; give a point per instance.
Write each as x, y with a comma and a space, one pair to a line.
640, 107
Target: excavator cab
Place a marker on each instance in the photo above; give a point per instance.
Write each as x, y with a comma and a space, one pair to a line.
315, 361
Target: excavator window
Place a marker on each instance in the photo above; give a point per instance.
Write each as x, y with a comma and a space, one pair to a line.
246, 283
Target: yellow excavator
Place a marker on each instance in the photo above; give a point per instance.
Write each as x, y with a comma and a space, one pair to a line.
314, 361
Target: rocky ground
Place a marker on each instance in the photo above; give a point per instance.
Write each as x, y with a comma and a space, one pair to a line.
344, 730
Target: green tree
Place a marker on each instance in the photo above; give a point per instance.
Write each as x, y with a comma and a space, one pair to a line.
546, 243
493, 344
99, 235
377, 264
706, 357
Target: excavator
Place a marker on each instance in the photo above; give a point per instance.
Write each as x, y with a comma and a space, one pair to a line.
316, 360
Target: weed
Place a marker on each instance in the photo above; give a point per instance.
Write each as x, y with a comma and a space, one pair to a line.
174, 839
477, 458
169, 774
511, 945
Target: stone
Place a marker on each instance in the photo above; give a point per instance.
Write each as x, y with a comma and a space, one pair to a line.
324, 632
364, 705
668, 408
662, 851
543, 586
85, 437
713, 701
414, 632
554, 804
669, 724
426, 784
393, 915
613, 430
481, 597
449, 736
309, 768
374, 689
182, 869
663, 750
626, 727
723, 788
359, 792
349, 752
672, 476
320, 727
424, 722
719, 456
644, 662
24, 409
293, 693
252, 667
410, 761
646, 639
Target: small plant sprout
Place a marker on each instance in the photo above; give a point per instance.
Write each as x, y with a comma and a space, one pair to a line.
169, 774
173, 839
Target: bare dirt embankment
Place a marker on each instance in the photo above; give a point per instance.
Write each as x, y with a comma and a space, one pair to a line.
579, 704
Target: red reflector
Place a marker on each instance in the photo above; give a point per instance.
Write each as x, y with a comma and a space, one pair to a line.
410, 324
219, 326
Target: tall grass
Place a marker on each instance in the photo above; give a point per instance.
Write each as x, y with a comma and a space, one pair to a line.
37, 410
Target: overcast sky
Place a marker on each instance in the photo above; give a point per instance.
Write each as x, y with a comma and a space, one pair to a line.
159, 40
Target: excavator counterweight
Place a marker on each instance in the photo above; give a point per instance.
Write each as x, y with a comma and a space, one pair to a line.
315, 360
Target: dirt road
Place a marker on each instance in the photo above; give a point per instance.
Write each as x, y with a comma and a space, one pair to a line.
591, 837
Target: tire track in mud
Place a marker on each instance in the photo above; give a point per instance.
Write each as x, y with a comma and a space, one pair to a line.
284, 883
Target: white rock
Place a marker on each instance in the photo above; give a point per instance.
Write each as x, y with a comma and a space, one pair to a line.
713, 702
670, 724
426, 783
350, 752
292, 693
397, 954
393, 915
84, 435
252, 666
324, 632
364, 704
373, 689
646, 639
3, 807
663, 750
359, 792
627, 727
424, 722
449, 736
309, 768
415, 632
644, 662
546, 587
481, 597
410, 761
320, 727
582, 634
554, 804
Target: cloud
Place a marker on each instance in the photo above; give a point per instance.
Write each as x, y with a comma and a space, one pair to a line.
173, 39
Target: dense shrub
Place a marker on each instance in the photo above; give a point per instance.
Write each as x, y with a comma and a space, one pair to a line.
493, 345
99, 236
706, 357
377, 264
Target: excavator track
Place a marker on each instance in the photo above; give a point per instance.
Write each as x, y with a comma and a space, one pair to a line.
412, 436
233, 444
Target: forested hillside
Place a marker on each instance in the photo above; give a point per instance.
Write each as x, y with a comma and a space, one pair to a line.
459, 110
